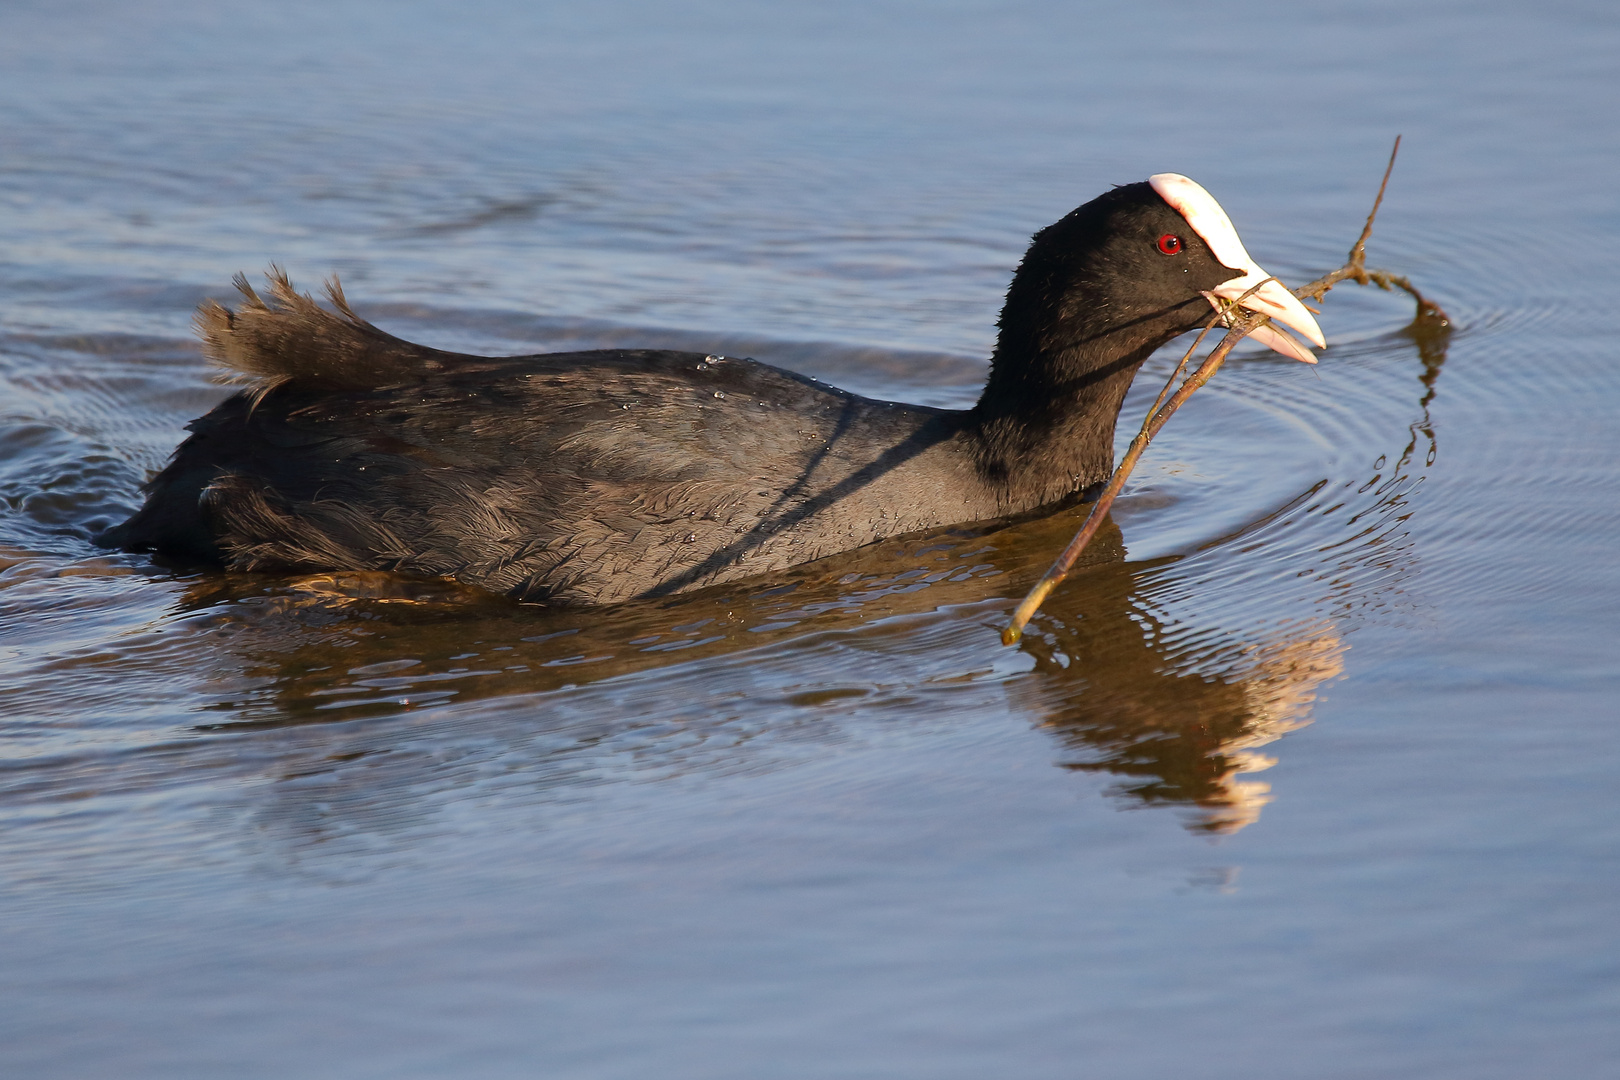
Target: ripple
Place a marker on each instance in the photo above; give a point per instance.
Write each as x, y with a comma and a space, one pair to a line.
1274, 515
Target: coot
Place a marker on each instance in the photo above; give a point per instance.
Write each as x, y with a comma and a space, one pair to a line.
593, 477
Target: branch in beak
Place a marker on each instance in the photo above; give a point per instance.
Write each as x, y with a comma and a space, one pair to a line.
1283, 306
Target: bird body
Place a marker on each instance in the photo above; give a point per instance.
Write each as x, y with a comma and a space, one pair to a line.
594, 477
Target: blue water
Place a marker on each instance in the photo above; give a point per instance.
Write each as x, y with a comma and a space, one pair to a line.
1311, 772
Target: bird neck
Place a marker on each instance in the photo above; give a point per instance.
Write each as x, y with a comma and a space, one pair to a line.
1045, 422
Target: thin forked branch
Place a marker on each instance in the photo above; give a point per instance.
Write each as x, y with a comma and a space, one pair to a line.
1241, 324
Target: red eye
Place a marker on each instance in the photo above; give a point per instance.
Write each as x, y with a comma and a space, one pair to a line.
1170, 244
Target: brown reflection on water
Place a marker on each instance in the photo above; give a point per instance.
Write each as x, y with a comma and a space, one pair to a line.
340, 647
1174, 733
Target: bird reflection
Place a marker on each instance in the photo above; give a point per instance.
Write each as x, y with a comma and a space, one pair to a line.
1176, 730
1181, 735
1173, 708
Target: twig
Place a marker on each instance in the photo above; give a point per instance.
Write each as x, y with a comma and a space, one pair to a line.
1355, 268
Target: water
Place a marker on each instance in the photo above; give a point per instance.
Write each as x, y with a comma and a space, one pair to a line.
1310, 772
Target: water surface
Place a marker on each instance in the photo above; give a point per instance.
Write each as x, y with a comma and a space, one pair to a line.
1310, 771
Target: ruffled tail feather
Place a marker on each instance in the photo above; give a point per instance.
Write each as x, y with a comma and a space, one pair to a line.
289, 338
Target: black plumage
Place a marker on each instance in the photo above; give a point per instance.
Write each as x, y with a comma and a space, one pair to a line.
593, 477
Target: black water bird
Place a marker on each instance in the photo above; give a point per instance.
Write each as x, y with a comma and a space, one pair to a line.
593, 477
